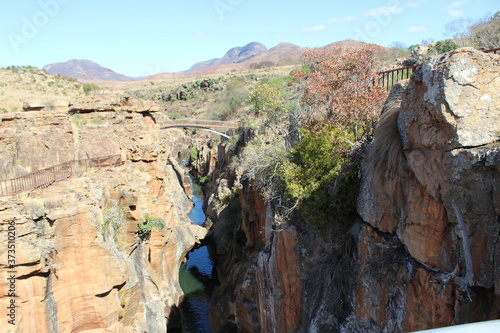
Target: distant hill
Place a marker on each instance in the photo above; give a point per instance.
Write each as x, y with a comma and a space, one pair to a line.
256, 54
85, 70
233, 56
281, 54
251, 56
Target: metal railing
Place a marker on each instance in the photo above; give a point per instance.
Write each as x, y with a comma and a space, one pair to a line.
199, 123
388, 78
494, 51
47, 176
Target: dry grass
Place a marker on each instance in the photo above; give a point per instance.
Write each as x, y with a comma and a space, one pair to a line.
18, 85
226, 101
28, 84
172, 80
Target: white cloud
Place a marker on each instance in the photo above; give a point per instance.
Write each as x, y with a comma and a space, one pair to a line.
416, 28
455, 12
456, 4
453, 9
334, 19
315, 28
394, 9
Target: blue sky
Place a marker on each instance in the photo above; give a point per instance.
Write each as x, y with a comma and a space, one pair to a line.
146, 37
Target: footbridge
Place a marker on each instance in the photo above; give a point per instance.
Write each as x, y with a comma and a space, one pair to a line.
209, 125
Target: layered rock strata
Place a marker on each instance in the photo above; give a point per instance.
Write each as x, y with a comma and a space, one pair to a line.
80, 263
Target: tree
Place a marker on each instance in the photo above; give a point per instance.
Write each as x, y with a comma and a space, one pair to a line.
314, 161
483, 34
486, 34
446, 46
318, 179
266, 100
342, 89
459, 30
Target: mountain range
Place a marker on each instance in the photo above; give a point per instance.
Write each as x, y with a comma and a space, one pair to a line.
85, 70
252, 55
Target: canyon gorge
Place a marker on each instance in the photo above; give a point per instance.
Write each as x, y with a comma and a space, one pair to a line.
422, 252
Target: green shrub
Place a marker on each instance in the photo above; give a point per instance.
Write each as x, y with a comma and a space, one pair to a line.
148, 223
316, 160
174, 115
446, 46
267, 101
89, 87
303, 71
79, 121
315, 177
193, 154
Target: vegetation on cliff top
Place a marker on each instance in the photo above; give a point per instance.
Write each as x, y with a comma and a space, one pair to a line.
483, 34
306, 128
27, 83
149, 223
310, 128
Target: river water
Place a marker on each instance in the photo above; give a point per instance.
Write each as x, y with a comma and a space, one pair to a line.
195, 278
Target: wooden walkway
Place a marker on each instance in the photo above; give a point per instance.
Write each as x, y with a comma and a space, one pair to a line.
47, 176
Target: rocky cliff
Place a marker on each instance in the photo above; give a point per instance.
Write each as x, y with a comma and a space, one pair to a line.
424, 252
446, 215
80, 263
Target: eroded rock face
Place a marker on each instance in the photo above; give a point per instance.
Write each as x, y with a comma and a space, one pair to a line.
80, 263
399, 269
259, 270
449, 128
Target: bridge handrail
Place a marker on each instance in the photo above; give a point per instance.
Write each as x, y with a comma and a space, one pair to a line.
495, 51
200, 122
388, 78
47, 176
